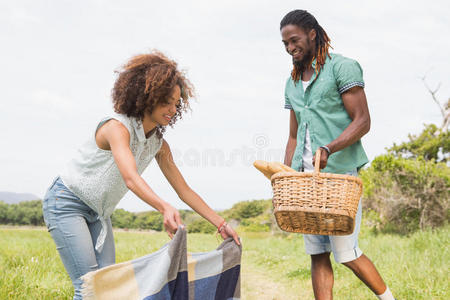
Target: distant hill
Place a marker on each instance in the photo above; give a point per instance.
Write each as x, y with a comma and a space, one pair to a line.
13, 198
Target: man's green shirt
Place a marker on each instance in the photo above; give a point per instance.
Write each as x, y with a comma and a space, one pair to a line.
320, 108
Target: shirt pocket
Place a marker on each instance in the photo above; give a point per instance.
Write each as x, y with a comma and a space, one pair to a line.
326, 85
327, 93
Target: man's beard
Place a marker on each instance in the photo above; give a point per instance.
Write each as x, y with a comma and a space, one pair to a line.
305, 62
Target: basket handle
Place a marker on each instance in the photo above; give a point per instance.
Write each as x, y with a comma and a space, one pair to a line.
317, 161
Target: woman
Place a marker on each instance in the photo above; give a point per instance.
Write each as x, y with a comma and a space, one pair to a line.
149, 94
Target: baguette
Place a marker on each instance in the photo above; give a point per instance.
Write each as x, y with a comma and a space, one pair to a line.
284, 167
263, 167
275, 167
270, 168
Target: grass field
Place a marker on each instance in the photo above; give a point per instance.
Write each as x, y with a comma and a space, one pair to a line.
273, 267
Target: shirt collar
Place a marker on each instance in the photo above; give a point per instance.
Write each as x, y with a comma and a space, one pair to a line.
314, 75
313, 65
138, 129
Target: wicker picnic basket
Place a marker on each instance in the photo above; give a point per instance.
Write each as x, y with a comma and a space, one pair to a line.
316, 203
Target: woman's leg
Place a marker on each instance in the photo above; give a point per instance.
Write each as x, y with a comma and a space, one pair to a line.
73, 242
67, 220
108, 255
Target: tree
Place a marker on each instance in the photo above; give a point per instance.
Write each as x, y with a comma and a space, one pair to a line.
200, 225
434, 142
247, 209
409, 194
149, 220
23, 213
409, 187
445, 109
122, 218
431, 144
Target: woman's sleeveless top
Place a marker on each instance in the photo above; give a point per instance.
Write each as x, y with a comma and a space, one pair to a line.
94, 177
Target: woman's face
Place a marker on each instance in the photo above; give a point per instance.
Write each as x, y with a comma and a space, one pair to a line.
163, 113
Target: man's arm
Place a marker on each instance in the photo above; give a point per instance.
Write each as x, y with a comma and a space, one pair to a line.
292, 141
355, 103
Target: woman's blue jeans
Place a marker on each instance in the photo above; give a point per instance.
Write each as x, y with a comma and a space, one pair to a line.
74, 227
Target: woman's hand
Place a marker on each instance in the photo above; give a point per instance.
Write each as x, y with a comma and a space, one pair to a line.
226, 231
172, 219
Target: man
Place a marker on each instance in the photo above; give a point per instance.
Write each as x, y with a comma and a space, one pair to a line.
328, 113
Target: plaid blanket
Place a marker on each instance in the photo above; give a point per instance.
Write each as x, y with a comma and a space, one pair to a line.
171, 274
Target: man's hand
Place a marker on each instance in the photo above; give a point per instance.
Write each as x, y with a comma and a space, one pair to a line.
323, 158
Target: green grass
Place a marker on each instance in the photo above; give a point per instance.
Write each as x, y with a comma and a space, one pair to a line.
415, 267
273, 267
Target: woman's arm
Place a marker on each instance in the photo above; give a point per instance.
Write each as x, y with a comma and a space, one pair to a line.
187, 195
114, 136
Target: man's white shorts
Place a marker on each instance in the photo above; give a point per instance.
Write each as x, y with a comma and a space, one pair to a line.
345, 248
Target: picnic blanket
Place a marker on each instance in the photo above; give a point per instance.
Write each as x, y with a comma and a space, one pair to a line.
170, 274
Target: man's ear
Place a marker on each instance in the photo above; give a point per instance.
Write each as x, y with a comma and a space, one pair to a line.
312, 34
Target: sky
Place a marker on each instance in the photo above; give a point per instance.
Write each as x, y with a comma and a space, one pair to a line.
58, 61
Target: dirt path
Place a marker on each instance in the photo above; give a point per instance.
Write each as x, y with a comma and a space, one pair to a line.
255, 285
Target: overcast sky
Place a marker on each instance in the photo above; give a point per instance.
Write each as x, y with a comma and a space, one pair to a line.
58, 60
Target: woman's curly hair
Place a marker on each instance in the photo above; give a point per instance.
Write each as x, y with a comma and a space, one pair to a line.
147, 80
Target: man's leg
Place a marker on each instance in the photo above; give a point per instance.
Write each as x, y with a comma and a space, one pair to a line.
322, 276
366, 271
346, 251
319, 248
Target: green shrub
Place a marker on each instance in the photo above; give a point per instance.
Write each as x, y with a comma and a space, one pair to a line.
188, 216
251, 225
123, 219
409, 194
261, 223
200, 225
149, 220
247, 209
23, 213
431, 144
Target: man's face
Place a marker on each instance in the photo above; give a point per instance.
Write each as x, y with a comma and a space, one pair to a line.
298, 43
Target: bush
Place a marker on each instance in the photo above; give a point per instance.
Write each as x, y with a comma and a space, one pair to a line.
431, 144
409, 194
149, 220
188, 216
122, 218
201, 225
261, 223
23, 213
247, 209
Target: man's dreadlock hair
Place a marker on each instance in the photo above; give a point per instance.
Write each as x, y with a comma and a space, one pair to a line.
306, 21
